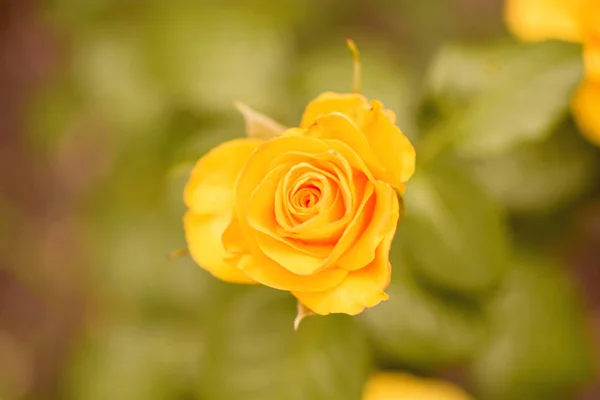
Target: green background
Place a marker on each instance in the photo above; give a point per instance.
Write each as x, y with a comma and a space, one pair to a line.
487, 288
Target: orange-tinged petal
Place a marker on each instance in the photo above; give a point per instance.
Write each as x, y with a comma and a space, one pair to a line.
355, 228
334, 213
591, 58
233, 238
266, 271
210, 187
361, 289
261, 217
535, 20
261, 162
390, 146
352, 105
292, 258
381, 222
337, 126
586, 109
203, 235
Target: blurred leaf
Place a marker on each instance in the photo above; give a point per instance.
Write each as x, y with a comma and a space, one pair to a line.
453, 236
538, 346
417, 328
133, 273
254, 353
207, 55
110, 67
144, 362
496, 96
540, 177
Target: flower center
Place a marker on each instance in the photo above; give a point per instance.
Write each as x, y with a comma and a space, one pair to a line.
306, 197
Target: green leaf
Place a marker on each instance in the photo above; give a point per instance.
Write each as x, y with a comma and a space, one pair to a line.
418, 328
254, 353
454, 235
136, 362
495, 97
207, 55
540, 177
538, 347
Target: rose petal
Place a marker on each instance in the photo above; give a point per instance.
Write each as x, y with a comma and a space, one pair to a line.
337, 126
203, 235
389, 144
380, 222
352, 105
591, 58
585, 109
361, 289
261, 217
210, 187
360, 219
536, 20
264, 270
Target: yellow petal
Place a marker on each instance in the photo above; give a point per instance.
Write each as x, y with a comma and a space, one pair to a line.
389, 144
381, 222
339, 127
203, 236
535, 20
295, 259
210, 187
352, 105
391, 386
266, 271
361, 289
233, 238
591, 58
334, 210
586, 109
259, 125
360, 218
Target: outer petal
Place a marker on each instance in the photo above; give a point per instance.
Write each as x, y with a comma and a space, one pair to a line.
209, 196
390, 146
361, 289
269, 273
210, 187
536, 20
586, 108
352, 105
203, 235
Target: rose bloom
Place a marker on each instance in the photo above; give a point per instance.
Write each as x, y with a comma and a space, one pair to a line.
569, 20
312, 211
398, 386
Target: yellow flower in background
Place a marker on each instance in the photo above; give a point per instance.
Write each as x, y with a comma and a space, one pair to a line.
311, 210
570, 20
399, 386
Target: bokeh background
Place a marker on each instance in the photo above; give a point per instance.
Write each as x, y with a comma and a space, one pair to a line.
105, 105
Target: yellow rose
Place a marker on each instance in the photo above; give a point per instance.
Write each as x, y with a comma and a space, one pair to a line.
570, 20
397, 386
312, 211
